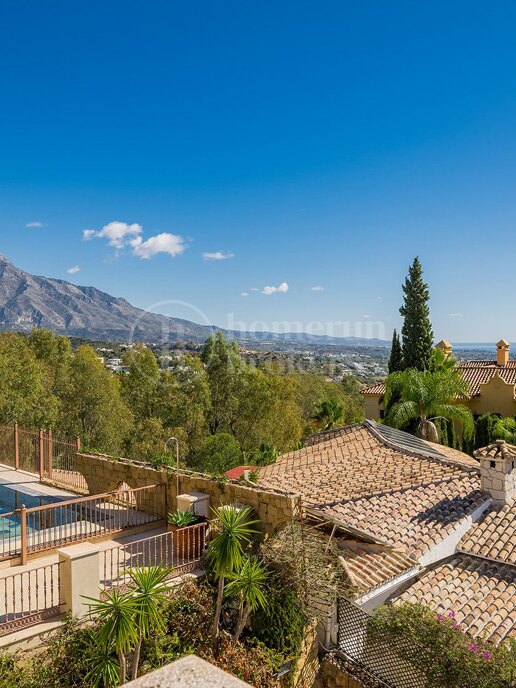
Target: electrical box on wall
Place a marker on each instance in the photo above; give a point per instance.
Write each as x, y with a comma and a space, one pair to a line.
197, 503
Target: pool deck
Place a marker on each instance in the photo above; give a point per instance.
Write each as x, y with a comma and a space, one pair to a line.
30, 484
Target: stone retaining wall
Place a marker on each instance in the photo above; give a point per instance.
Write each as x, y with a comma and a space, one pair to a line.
273, 508
335, 672
307, 666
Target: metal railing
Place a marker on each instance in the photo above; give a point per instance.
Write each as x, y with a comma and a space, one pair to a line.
375, 657
29, 597
181, 553
44, 527
60, 462
39, 452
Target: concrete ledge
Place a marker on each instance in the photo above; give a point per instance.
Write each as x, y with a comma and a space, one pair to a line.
31, 637
188, 672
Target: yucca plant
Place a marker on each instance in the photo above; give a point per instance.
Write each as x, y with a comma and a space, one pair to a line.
226, 551
249, 585
116, 613
104, 669
126, 619
149, 591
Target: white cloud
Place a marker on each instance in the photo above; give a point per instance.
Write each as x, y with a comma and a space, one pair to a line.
173, 244
317, 287
217, 255
122, 235
34, 225
366, 316
74, 270
244, 293
117, 233
456, 315
283, 288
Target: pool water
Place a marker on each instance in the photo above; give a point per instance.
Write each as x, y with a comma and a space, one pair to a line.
14, 497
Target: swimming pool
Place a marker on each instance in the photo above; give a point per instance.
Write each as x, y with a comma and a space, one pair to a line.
15, 496
12, 498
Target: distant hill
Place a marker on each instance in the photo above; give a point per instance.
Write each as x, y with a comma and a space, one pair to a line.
28, 301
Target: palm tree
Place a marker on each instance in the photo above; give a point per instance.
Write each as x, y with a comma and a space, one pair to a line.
442, 361
426, 396
265, 454
329, 414
226, 551
149, 591
116, 612
505, 429
249, 585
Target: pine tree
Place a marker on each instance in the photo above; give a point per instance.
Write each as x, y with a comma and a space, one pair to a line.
417, 335
396, 358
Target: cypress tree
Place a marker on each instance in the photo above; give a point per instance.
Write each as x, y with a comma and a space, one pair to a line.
416, 333
396, 357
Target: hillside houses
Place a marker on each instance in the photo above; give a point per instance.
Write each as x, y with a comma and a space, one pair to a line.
492, 385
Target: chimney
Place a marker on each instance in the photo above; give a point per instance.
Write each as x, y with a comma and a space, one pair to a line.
446, 347
502, 352
498, 471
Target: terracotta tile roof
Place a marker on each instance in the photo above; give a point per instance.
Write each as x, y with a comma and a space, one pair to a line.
369, 566
239, 471
394, 495
494, 537
475, 373
377, 388
481, 594
352, 462
499, 449
415, 519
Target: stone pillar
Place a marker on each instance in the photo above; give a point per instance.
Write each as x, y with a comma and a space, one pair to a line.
79, 575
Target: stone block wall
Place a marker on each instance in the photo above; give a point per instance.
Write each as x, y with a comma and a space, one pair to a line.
307, 666
273, 508
333, 673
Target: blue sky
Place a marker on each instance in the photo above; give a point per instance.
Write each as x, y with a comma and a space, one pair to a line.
321, 144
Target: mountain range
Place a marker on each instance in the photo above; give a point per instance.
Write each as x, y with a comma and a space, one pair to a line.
28, 301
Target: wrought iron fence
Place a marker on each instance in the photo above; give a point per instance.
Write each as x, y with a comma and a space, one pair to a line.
60, 462
181, 553
29, 597
39, 452
44, 527
373, 656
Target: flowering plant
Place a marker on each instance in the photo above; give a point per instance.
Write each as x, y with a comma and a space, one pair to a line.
440, 650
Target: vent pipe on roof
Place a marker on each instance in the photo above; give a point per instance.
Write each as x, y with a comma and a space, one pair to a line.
502, 352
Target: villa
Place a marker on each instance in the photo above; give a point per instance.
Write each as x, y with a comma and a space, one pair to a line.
492, 385
415, 521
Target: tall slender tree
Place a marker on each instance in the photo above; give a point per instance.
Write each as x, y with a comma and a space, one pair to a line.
417, 335
395, 364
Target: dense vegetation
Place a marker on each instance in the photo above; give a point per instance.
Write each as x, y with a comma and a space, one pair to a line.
222, 409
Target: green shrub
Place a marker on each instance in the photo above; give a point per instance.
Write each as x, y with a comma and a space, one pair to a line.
281, 626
